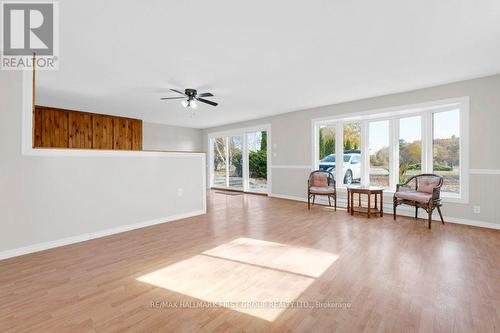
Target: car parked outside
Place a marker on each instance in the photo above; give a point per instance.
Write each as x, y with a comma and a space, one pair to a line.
351, 166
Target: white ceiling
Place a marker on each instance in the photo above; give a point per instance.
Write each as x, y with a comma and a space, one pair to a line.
262, 57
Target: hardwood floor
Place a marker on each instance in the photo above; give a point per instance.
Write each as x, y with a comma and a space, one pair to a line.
375, 275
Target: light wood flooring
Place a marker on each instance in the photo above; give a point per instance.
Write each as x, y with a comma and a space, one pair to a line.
336, 273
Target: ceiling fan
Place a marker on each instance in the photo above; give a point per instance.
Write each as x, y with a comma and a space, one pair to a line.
192, 96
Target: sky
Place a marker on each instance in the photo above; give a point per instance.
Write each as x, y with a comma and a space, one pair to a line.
254, 140
446, 124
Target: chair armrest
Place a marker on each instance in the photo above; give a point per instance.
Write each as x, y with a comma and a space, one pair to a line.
436, 193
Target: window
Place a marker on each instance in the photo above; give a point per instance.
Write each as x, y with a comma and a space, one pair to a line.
352, 137
257, 161
388, 147
378, 142
236, 162
446, 149
410, 147
220, 165
351, 171
327, 143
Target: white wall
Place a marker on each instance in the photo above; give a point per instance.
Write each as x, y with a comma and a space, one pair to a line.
52, 200
291, 132
171, 138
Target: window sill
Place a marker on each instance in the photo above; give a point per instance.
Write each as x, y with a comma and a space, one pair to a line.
447, 198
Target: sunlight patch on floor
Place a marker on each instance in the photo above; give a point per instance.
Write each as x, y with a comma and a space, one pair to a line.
245, 270
293, 259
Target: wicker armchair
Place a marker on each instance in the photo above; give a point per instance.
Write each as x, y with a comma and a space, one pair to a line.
321, 183
425, 193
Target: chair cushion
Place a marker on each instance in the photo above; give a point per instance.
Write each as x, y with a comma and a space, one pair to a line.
414, 196
320, 180
321, 190
427, 184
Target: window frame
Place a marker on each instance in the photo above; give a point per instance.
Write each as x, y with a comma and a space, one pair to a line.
244, 133
393, 114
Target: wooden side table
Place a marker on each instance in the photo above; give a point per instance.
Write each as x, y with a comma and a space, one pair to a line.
368, 191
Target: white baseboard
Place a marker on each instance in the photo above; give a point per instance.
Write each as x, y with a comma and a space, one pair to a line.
92, 235
288, 197
402, 210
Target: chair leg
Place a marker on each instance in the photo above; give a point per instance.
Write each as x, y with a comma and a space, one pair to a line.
335, 201
416, 212
430, 216
308, 201
394, 210
314, 198
440, 214
329, 202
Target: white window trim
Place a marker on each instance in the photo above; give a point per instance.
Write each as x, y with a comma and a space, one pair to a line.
393, 114
241, 132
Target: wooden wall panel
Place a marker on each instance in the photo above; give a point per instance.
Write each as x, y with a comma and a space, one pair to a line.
102, 128
122, 136
55, 132
59, 128
37, 127
136, 134
80, 130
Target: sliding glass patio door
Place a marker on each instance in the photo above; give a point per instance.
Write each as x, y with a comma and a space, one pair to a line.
235, 166
239, 160
219, 162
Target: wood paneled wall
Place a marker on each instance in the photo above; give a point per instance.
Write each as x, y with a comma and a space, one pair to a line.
60, 128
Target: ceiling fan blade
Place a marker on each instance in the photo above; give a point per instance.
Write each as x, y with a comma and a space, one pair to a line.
163, 98
206, 101
205, 95
177, 91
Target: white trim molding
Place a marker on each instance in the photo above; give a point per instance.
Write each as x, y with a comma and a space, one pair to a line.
309, 167
287, 197
484, 171
93, 235
400, 110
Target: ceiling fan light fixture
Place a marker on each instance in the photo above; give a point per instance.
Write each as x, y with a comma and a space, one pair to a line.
191, 103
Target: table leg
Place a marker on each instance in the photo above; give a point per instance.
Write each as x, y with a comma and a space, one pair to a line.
359, 199
348, 201
376, 201
369, 204
352, 203
381, 204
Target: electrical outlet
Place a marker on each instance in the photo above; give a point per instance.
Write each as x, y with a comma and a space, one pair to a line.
180, 192
476, 209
